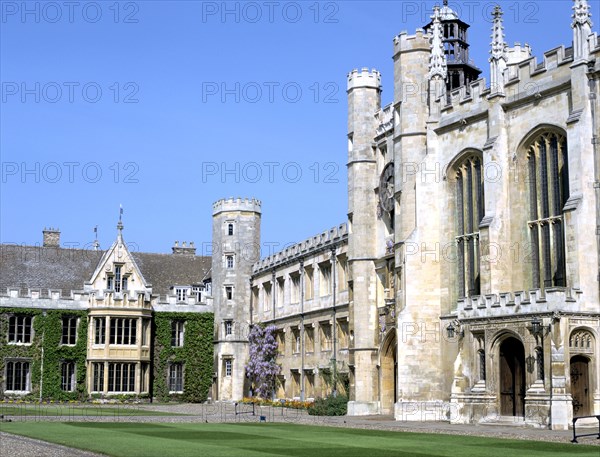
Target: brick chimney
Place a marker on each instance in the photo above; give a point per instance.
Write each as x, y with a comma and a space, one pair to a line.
184, 249
51, 237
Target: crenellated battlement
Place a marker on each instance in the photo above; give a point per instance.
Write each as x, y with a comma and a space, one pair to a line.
417, 42
311, 245
364, 78
237, 204
529, 71
525, 77
385, 119
520, 302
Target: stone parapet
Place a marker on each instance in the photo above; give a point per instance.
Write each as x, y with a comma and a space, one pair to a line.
519, 302
237, 204
305, 248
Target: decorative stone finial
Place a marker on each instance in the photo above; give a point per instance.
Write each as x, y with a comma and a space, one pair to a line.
437, 60
499, 56
498, 50
120, 223
581, 13
582, 29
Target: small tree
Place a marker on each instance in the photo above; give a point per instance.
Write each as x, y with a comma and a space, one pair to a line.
262, 368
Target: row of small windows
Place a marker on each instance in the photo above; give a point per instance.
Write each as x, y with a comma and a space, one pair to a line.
20, 329
548, 193
325, 285
18, 376
122, 377
123, 331
324, 331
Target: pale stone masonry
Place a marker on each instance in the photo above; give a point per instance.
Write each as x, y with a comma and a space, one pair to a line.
463, 287
235, 247
472, 246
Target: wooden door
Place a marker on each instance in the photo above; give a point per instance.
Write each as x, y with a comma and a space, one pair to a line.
389, 376
512, 378
580, 385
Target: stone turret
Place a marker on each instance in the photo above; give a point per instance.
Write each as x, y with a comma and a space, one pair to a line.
236, 247
364, 100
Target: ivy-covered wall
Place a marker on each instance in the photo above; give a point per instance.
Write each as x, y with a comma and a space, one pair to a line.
196, 354
49, 329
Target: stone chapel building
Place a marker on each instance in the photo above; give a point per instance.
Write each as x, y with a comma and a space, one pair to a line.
464, 285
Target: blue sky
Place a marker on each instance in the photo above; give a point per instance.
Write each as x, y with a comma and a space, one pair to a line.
166, 107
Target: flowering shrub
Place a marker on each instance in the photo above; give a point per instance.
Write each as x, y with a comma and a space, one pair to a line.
262, 368
296, 404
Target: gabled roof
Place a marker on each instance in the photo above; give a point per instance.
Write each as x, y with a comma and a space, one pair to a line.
36, 267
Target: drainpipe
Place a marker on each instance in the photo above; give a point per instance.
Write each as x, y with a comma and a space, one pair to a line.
593, 95
334, 329
42, 361
302, 329
273, 291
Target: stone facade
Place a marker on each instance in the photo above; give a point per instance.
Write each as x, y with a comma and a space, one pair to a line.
471, 259
110, 293
235, 247
464, 284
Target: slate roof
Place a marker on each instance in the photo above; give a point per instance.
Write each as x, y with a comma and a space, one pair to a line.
35, 267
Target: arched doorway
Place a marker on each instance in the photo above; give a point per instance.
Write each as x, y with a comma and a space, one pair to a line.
389, 374
580, 385
512, 378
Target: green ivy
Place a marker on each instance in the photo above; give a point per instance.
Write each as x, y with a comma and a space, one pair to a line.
48, 329
196, 355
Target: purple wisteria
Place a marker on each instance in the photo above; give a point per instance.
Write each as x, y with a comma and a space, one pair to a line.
262, 368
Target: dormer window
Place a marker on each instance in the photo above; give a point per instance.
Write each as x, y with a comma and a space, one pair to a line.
181, 293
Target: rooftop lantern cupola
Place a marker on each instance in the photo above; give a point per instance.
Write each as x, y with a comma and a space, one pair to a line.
461, 71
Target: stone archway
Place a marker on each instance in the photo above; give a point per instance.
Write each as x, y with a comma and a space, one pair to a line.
512, 378
389, 374
580, 385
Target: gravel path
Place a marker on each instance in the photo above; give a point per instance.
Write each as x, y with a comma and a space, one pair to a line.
20, 446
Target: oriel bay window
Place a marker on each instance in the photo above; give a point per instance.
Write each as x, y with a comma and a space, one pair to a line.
98, 377
99, 330
548, 193
470, 211
123, 330
121, 377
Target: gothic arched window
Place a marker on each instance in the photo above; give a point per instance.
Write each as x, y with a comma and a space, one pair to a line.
470, 211
548, 193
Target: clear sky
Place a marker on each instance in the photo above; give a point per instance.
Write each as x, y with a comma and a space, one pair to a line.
166, 107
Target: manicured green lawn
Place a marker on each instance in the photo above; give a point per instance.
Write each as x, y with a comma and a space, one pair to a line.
249, 440
70, 410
